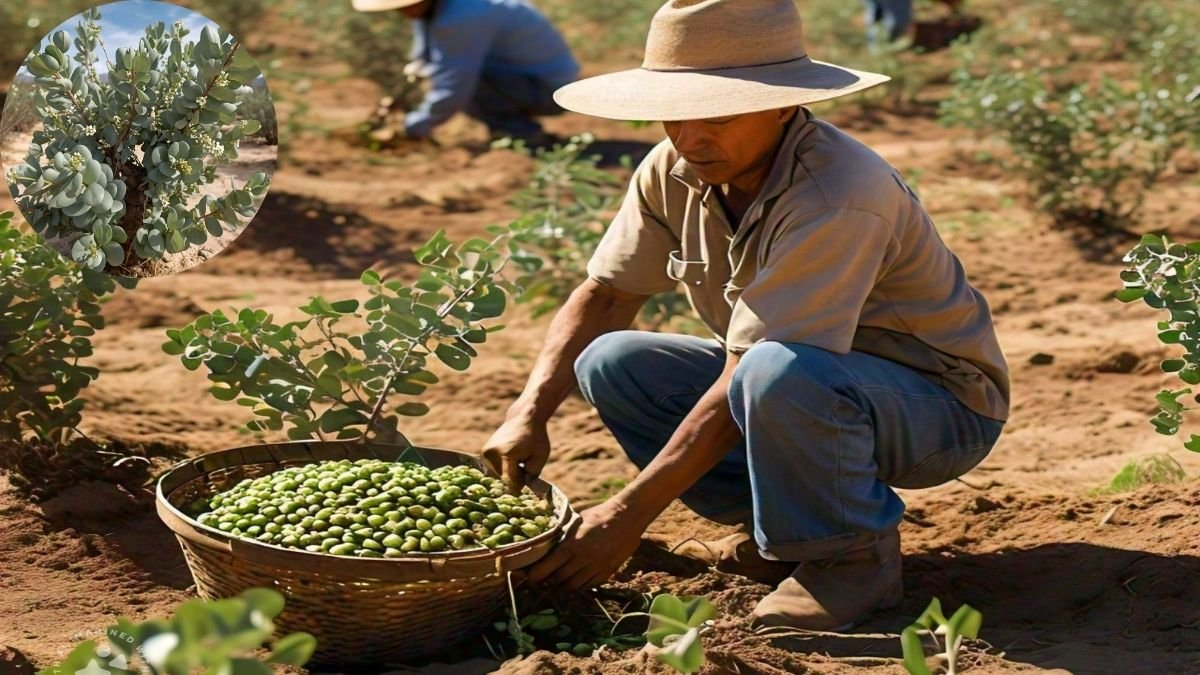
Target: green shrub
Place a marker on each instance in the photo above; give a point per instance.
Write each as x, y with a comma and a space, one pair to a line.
1166, 277
332, 372
119, 161
564, 210
1136, 31
49, 309
1089, 150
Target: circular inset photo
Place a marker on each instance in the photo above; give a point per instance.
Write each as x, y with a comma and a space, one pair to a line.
139, 138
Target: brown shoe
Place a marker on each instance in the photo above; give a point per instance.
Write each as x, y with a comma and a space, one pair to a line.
837, 594
735, 554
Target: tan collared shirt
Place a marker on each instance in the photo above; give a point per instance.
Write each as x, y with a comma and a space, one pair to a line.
835, 252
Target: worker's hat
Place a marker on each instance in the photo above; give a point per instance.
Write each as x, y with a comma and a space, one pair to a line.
715, 58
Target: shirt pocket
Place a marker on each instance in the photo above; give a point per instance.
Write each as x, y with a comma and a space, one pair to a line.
690, 273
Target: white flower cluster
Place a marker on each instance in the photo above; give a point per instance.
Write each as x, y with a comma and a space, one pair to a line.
76, 161
209, 145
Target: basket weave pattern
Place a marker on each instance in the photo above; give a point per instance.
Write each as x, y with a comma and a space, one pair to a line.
361, 610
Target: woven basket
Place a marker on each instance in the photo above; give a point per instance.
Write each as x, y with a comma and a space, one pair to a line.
362, 611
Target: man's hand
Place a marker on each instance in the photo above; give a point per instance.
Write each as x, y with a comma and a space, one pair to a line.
518, 441
595, 545
416, 69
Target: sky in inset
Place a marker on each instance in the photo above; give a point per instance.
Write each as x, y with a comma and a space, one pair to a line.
122, 24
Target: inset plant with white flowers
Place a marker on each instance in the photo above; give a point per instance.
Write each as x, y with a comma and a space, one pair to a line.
120, 167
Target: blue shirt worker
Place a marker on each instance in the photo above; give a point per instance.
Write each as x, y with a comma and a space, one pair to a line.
498, 61
892, 18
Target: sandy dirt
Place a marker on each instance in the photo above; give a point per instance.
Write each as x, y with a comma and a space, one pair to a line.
1067, 580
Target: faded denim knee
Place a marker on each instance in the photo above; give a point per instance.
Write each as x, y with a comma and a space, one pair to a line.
600, 363
774, 372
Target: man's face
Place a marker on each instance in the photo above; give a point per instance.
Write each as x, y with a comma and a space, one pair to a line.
418, 10
720, 149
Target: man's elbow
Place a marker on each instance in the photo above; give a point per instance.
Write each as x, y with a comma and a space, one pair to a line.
596, 293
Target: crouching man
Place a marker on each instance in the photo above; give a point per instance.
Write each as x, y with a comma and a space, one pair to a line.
852, 355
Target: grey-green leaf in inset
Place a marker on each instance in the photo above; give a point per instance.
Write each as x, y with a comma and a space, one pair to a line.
113, 254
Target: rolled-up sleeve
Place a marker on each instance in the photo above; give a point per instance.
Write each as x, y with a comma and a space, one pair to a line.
819, 270
634, 252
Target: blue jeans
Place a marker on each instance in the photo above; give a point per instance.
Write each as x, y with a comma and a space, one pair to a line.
825, 436
893, 16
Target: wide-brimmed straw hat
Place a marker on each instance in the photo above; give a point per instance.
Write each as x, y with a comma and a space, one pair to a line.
381, 5
714, 58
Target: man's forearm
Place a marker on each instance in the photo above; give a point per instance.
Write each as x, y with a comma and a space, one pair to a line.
702, 439
590, 311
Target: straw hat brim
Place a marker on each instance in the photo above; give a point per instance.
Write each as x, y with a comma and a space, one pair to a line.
381, 5
672, 95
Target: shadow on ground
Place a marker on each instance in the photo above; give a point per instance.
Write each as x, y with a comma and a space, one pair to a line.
303, 237
127, 526
1075, 606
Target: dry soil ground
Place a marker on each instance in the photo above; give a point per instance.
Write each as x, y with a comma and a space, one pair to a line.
1066, 581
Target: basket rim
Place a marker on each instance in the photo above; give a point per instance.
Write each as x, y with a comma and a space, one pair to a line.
422, 566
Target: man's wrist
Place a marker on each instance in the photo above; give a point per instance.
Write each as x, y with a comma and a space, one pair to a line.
529, 411
638, 504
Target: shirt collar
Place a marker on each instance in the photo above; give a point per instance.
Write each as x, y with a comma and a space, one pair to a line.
779, 178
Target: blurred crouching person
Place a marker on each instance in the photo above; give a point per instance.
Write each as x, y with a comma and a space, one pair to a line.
888, 20
498, 61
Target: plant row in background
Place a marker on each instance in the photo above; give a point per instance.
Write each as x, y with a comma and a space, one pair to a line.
565, 210
120, 168
1090, 142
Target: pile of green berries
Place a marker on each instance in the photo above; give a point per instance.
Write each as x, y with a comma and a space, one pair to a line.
374, 508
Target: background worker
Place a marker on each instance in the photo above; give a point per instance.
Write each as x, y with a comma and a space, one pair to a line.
498, 61
888, 20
